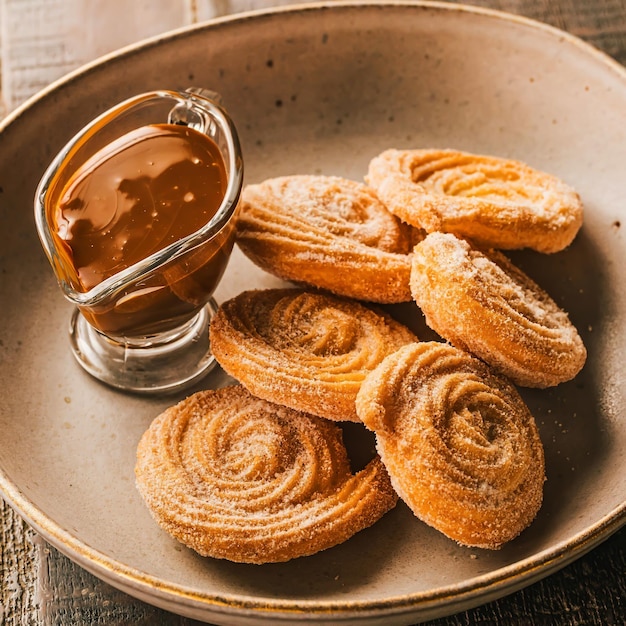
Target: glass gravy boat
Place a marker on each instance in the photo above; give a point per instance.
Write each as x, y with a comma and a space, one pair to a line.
142, 326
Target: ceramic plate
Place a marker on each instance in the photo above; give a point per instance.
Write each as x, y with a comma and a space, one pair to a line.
322, 89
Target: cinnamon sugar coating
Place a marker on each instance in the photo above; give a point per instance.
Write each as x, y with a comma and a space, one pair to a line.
481, 302
235, 477
309, 351
327, 232
495, 202
460, 445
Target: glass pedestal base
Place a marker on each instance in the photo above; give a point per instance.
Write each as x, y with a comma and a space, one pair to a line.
167, 362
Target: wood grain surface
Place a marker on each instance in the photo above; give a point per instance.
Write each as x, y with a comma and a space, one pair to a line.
43, 39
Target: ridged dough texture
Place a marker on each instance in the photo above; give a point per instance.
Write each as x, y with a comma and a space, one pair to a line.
481, 302
309, 351
235, 477
495, 202
326, 232
460, 445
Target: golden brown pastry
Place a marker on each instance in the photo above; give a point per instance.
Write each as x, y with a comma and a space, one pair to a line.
495, 202
460, 445
481, 302
309, 351
235, 477
326, 232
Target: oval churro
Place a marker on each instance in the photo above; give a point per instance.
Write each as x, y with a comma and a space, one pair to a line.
495, 202
327, 232
481, 302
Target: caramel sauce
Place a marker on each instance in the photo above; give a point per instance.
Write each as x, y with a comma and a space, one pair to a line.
149, 188
142, 192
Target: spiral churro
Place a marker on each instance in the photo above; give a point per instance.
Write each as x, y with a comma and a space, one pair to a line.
460, 445
306, 350
235, 477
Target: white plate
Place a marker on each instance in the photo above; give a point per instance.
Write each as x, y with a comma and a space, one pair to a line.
323, 89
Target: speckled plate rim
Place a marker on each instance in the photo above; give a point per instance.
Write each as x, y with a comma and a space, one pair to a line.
422, 605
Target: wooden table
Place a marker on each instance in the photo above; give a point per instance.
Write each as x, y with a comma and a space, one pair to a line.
41, 41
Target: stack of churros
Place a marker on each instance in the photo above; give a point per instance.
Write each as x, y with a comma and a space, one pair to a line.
258, 472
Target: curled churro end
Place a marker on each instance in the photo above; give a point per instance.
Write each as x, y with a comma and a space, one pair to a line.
235, 477
309, 351
327, 232
481, 302
460, 445
495, 202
